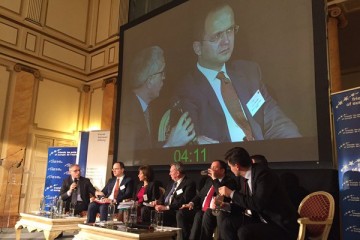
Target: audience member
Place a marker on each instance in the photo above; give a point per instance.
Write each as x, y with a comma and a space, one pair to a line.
261, 159
76, 190
178, 192
261, 209
117, 189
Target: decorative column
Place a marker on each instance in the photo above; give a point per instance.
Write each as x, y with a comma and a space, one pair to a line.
109, 109
86, 107
336, 19
16, 139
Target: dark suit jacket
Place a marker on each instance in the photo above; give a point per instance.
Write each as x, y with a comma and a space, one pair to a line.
134, 133
126, 188
200, 197
199, 99
269, 199
152, 191
183, 193
86, 189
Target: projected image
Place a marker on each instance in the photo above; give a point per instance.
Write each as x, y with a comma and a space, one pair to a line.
191, 87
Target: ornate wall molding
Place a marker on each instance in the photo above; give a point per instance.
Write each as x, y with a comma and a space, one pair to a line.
20, 67
335, 11
86, 88
110, 80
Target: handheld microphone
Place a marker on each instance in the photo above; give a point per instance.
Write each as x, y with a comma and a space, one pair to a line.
76, 181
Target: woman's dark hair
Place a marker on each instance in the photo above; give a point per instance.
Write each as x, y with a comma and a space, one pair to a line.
148, 172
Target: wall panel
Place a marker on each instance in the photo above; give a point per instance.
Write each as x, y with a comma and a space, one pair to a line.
69, 17
57, 107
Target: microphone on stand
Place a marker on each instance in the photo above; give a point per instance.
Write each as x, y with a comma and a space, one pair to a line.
18, 164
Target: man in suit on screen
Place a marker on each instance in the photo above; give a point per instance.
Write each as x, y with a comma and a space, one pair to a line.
137, 130
76, 190
117, 189
230, 93
261, 209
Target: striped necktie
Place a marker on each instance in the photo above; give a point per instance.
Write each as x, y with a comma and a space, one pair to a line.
233, 104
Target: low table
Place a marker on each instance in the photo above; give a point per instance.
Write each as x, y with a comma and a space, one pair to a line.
89, 232
52, 227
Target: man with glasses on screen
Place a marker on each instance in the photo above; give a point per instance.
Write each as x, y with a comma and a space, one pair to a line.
147, 75
231, 94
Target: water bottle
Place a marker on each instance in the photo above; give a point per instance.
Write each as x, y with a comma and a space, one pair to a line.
42, 205
133, 214
60, 206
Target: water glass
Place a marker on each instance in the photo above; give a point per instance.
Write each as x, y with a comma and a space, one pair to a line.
153, 218
218, 203
111, 212
72, 209
160, 220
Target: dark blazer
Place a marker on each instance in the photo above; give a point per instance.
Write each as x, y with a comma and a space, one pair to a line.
152, 191
86, 190
126, 188
199, 99
200, 197
269, 199
134, 133
183, 193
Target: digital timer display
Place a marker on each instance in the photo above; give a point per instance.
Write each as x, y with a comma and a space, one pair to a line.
198, 155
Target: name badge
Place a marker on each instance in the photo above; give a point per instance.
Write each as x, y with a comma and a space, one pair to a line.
122, 187
255, 103
180, 191
145, 197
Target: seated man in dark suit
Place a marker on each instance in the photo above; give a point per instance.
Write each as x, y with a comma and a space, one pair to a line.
178, 192
205, 222
76, 190
262, 209
117, 189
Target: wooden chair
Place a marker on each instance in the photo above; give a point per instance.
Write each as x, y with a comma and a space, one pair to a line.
316, 212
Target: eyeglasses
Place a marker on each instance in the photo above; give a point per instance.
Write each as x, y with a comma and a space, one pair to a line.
162, 74
76, 170
215, 38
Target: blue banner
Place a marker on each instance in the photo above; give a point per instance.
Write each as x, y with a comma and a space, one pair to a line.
346, 108
59, 160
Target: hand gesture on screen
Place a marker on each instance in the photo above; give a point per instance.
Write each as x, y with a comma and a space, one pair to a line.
182, 133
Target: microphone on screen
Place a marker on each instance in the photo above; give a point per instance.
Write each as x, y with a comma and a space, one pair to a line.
204, 172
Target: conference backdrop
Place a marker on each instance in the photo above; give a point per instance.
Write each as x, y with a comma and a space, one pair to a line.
346, 107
